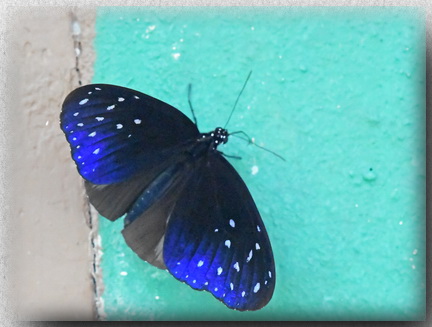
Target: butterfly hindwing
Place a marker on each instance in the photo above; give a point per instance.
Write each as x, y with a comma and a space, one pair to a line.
146, 219
115, 132
114, 200
216, 241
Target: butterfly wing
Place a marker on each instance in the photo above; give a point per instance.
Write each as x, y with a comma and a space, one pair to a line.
147, 218
216, 241
113, 200
114, 132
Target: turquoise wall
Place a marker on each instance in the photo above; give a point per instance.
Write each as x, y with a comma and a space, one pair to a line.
340, 94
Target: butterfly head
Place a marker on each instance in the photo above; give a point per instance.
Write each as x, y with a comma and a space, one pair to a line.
219, 136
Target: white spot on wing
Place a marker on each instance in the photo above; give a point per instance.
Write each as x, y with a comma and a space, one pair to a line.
219, 271
137, 121
119, 126
96, 151
270, 274
111, 107
200, 263
80, 124
76, 114
243, 293
136, 97
100, 118
98, 89
228, 243
216, 230
250, 256
231, 286
120, 99
83, 101
92, 134
258, 229
257, 246
236, 266
257, 287
232, 223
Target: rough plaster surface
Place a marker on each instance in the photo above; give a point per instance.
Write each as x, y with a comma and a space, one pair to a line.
52, 274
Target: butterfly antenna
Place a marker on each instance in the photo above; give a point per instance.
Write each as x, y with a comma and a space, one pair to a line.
190, 104
251, 141
238, 97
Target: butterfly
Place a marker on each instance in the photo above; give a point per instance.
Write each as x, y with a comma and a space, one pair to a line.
186, 208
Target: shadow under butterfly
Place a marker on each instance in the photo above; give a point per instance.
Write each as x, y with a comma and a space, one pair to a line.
187, 209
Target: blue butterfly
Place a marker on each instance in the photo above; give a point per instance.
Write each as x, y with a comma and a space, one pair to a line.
187, 209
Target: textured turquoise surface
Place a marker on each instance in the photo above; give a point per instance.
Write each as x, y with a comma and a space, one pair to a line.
341, 95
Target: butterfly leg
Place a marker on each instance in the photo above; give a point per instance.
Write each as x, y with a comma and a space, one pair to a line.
230, 156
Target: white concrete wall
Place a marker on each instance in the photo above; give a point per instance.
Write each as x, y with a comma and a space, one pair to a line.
49, 234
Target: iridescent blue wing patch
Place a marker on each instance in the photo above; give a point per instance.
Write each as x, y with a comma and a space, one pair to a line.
114, 132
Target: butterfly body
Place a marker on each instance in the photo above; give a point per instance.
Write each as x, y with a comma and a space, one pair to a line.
186, 208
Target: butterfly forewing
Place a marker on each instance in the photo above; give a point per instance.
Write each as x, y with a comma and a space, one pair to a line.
216, 240
115, 132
